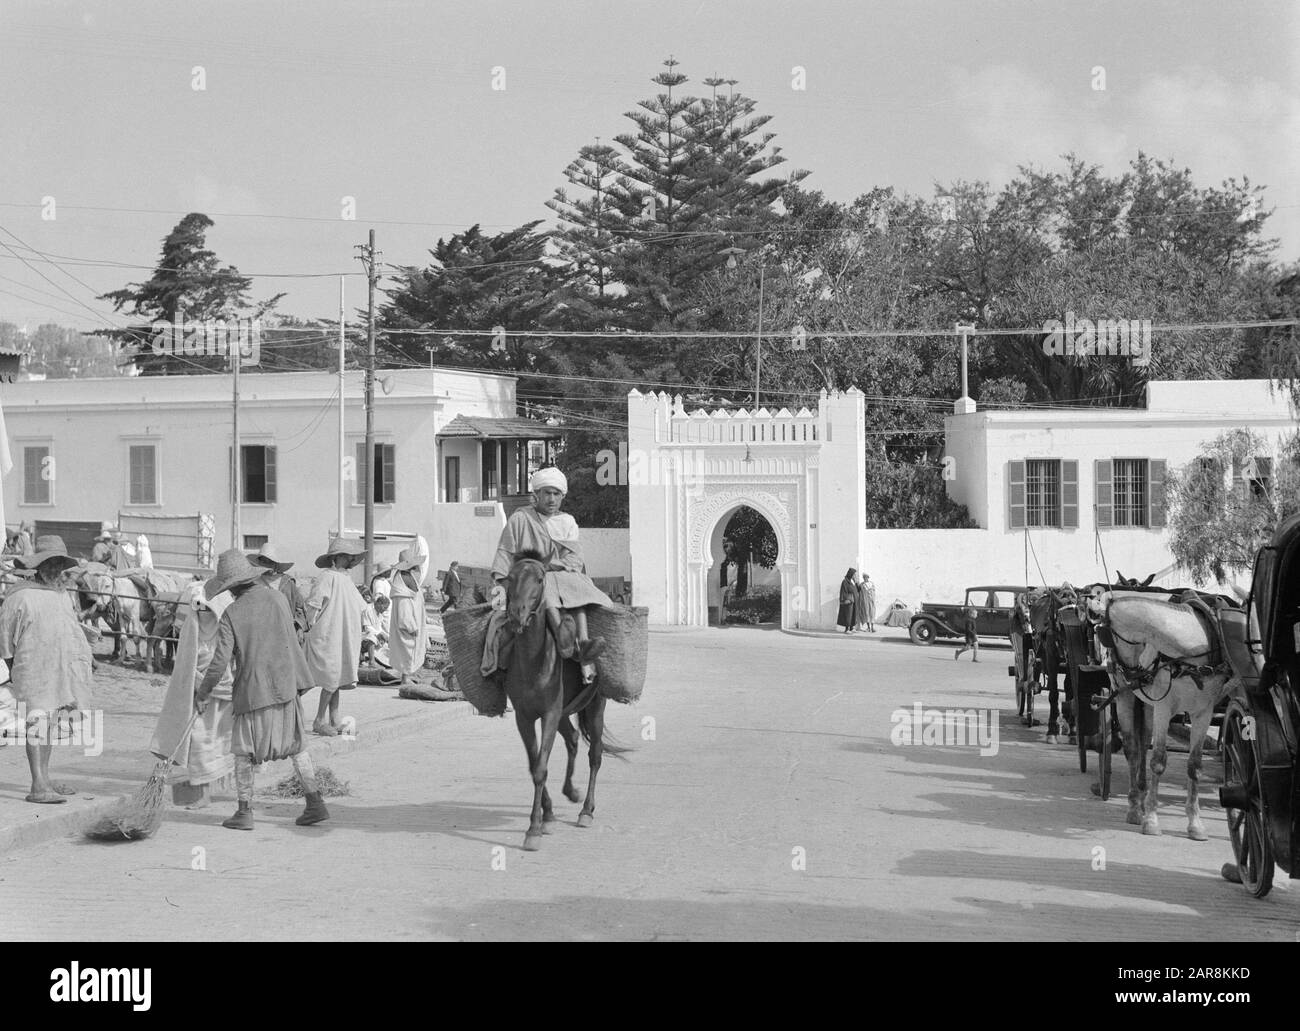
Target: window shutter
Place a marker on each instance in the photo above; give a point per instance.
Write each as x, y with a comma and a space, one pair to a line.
362, 469
270, 474
1104, 492
1156, 491
390, 474
1016, 495
1070, 494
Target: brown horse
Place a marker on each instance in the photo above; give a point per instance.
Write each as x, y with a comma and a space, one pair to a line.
541, 685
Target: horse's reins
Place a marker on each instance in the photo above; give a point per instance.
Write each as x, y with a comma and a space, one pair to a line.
1136, 678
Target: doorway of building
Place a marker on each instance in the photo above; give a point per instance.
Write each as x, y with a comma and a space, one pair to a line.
745, 587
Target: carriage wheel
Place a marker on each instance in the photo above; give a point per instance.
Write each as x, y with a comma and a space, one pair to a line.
1106, 729
1250, 841
1079, 726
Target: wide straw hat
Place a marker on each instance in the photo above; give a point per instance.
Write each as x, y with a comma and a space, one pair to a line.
408, 559
354, 550
233, 570
47, 547
269, 556
106, 532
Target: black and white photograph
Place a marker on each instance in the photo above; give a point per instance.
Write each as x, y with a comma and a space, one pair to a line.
691, 471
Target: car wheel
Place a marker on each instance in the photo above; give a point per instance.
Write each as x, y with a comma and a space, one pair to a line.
921, 632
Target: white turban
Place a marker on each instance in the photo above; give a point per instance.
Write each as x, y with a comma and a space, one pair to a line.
550, 477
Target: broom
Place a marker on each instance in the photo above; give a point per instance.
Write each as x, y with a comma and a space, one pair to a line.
142, 815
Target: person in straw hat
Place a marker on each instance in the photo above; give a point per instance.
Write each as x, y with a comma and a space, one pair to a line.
546, 531
333, 643
208, 756
256, 633
278, 577
49, 658
407, 634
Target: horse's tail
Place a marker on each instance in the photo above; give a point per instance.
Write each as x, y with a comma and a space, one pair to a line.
608, 743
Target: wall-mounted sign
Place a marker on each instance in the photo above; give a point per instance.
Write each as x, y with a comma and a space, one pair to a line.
485, 510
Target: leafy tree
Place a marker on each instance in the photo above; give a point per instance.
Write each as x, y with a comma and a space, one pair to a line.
475, 282
189, 281
58, 352
1218, 519
748, 537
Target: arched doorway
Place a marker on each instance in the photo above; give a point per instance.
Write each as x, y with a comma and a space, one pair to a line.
744, 575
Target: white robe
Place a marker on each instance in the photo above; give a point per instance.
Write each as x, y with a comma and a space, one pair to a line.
333, 644
407, 634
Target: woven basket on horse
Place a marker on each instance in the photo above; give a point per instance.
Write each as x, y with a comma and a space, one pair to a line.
465, 629
621, 667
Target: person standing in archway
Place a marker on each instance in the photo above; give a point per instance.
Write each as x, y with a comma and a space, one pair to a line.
848, 603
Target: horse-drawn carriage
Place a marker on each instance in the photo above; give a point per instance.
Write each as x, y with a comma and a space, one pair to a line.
1259, 739
1038, 645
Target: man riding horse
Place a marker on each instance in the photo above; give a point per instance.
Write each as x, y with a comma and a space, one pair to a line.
550, 535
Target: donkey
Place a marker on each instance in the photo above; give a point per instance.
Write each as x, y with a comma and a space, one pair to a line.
541, 685
1161, 656
116, 600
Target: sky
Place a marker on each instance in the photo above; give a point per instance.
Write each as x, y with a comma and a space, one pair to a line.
392, 104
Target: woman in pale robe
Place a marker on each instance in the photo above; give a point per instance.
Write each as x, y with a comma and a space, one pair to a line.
333, 644
407, 637
208, 758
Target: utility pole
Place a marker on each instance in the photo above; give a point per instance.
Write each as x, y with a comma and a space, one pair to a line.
758, 360
370, 259
236, 537
342, 433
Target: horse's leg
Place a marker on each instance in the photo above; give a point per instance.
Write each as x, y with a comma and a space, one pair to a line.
1200, 727
1160, 714
542, 800
595, 717
1053, 697
1125, 705
570, 734
528, 734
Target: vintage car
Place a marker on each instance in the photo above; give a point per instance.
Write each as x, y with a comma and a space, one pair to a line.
993, 606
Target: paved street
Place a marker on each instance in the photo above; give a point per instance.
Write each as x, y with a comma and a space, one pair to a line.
770, 804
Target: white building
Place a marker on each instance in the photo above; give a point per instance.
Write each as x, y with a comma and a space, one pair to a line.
1053, 491
452, 457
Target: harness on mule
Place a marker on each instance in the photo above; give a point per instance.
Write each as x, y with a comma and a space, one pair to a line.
1138, 677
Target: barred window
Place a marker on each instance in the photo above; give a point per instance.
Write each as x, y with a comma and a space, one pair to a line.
1043, 492
1130, 491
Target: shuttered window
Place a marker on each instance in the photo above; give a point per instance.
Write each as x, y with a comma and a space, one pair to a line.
142, 462
385, 474
1131, 492
38, 475
258, 473
1043, 492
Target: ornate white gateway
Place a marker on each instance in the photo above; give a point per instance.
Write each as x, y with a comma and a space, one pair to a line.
687, 474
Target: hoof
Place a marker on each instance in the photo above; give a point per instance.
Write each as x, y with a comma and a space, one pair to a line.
1052, 739
1095, 788
585, 819
1197, 833
532, 842
1134, 817
546, 825
1151, 826
573, 795
1230, 872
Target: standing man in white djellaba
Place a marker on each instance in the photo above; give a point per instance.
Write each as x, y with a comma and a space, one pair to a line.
543, 529
407, 633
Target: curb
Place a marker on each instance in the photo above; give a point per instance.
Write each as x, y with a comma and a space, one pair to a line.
994, 643
70, 819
